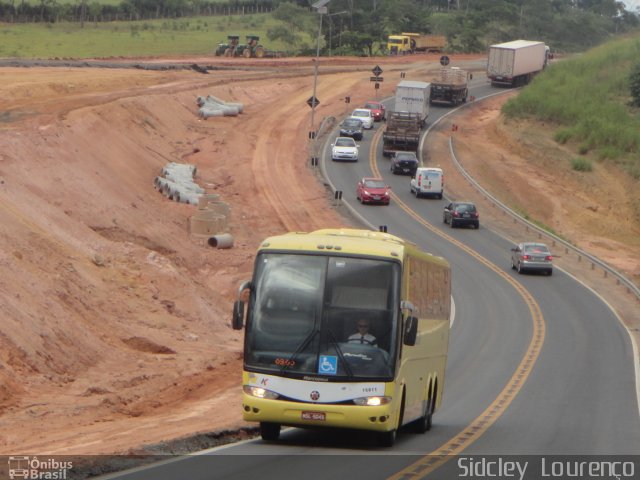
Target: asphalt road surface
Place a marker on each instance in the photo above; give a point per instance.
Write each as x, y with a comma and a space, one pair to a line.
538, 366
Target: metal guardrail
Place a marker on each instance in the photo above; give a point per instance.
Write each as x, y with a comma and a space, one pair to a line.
631, 287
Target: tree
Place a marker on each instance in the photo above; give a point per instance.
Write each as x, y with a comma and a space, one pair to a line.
296, 18
634, 86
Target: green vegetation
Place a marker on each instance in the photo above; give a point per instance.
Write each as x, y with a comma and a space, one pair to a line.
361, 27
588, 98
634, 86
581, 164
183, 36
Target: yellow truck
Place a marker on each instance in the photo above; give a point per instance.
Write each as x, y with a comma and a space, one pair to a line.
407, 43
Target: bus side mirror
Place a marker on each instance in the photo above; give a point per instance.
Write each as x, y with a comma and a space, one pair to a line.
237, 321
410, 331
237, 318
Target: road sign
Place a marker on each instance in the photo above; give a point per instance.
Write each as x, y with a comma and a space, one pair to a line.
444, 60
376, 79
313, 101
377, 70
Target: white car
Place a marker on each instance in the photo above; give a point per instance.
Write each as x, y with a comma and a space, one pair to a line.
365, 116
344, 148
428, 181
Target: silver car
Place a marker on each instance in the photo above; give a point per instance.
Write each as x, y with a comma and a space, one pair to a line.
530, 256
344, 148
365, 116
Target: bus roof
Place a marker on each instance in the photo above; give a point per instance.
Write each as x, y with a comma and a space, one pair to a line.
343, 241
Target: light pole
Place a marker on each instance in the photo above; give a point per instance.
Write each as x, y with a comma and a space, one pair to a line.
330, 27
321, 7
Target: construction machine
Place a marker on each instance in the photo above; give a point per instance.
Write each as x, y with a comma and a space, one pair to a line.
230, 48
253, 48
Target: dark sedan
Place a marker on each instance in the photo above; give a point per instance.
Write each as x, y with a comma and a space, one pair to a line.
458, 214
404, 163
351, 127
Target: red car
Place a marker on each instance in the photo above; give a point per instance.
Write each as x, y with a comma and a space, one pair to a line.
377, 110
373, 190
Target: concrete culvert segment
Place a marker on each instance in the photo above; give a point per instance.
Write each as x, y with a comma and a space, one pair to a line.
211, 106
224, 240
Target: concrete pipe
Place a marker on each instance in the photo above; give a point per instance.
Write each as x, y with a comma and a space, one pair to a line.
228, 111
211, 112
189, 198
206, 198
215, 100
207, 225
224, 240
221, 208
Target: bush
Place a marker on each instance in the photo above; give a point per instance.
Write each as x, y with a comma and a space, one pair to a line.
562, 136
634, 86
581, 164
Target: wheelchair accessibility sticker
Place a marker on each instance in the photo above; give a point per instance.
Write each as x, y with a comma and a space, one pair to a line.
328, 364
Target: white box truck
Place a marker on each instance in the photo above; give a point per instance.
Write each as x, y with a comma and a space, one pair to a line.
515, 63
413, 97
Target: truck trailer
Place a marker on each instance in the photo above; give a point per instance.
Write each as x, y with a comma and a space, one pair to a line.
401, 133
515, 63
413, 97
450, 87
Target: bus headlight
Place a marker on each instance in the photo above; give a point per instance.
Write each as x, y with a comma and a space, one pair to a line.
259, 392
371, 401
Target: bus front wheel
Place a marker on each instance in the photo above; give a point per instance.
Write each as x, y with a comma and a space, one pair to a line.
387, 439
269, 431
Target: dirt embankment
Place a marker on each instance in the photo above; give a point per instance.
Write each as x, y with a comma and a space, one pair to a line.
114, 321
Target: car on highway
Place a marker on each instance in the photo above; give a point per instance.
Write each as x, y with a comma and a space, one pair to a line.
458, 214
404, 163
373, 190
344, 148
351, 127
532, 256
365, 116
377, 109
428, 181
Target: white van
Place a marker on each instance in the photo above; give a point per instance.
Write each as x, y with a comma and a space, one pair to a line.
428, 181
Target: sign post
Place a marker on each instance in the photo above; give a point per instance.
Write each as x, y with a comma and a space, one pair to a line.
376, 78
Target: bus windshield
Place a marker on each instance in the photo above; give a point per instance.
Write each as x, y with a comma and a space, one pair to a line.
306, 316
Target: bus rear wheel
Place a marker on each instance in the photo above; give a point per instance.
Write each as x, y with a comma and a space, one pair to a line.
269, 431
423, 424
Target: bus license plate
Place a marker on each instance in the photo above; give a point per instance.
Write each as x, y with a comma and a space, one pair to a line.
318, 416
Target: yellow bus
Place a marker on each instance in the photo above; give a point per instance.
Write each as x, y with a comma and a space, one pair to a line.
305, 365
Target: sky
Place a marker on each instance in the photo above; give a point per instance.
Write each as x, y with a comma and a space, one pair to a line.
632, 5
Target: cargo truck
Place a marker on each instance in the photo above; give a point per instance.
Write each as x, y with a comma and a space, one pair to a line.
450, 87
406, 43
413, 97
515, 63
401, 133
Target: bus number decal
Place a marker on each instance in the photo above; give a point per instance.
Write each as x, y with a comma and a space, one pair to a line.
285, 362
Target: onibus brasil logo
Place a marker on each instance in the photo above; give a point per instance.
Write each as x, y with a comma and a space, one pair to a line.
34, 468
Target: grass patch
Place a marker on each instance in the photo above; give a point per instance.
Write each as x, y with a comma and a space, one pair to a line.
587, 99
184, 36
581, 164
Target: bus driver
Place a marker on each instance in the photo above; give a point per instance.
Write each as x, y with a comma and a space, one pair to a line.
363, 336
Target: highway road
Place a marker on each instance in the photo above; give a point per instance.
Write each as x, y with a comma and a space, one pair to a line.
537, 365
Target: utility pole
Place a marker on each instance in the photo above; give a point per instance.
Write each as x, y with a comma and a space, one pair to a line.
321, 7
